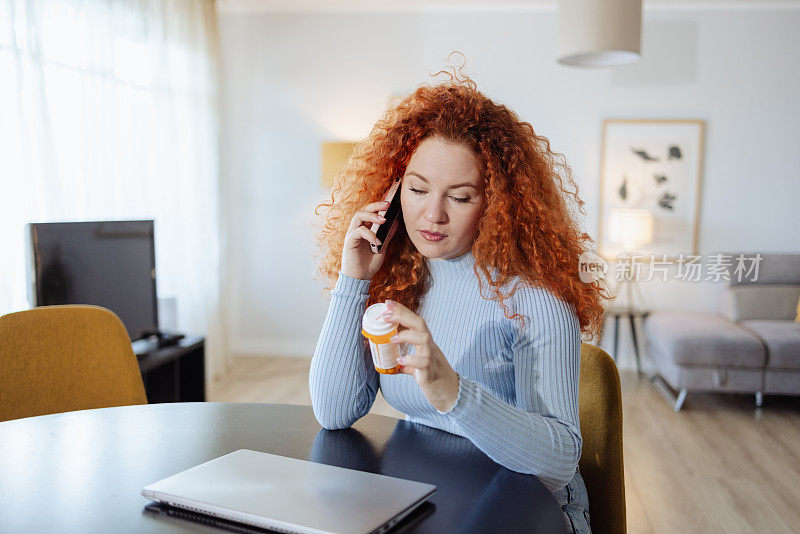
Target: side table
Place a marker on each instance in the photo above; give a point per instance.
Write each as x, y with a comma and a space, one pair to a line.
631, 314
175, 373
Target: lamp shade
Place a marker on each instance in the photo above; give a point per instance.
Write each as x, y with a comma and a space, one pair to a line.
598, 33
630, 228
334, 156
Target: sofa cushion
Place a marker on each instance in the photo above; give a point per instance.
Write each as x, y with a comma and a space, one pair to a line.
772, 268
702, 338
744, 302
782, 339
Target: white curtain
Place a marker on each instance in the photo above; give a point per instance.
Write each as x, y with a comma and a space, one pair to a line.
109, 111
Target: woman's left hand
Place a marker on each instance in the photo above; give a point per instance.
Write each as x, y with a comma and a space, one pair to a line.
438, 380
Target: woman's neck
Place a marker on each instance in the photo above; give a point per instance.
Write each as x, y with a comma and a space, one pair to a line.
452, 266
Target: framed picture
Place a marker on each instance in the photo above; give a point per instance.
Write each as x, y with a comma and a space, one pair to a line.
650, 184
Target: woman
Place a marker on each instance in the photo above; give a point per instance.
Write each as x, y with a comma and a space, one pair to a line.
500, 370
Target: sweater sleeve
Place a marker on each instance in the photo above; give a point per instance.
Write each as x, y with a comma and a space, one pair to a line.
342, 380
540, 435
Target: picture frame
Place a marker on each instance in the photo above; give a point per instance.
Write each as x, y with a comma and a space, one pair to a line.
654, 165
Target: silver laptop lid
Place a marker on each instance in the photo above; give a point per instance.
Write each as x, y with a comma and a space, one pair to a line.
291, 495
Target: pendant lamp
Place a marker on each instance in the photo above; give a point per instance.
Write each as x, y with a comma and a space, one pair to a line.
598, 33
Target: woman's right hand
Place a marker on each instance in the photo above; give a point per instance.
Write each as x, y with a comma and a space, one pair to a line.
358, 260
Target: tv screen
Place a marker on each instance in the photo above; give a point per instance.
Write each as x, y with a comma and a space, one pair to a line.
106, 263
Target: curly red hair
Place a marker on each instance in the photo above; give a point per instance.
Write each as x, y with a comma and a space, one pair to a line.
526, 229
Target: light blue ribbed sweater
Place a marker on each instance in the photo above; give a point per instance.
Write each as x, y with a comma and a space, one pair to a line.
518, 392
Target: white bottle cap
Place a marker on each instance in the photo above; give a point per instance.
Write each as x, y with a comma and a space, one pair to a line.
373, 323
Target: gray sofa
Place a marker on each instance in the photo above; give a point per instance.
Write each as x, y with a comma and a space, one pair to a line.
752, 345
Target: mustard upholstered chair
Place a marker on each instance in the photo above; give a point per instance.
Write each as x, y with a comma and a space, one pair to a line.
601, 466
63, 358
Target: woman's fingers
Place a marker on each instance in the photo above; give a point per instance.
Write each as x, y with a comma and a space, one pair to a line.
370, 214
416, 361
369, 235
403, 316
365, 218
412, 336
354, 238
406, 370
407, 362
381, 204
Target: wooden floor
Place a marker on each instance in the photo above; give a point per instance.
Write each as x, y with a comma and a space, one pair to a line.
719, 465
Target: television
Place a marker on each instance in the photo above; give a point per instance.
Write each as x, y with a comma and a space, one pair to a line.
105, 263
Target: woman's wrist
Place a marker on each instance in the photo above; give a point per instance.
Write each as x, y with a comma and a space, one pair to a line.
357, 276
447, 394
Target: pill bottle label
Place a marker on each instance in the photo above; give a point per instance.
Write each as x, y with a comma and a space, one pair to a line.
384, 355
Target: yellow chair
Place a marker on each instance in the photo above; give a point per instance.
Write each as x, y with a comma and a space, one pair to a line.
63, 358
600, 406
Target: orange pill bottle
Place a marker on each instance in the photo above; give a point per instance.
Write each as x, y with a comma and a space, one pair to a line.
378, 332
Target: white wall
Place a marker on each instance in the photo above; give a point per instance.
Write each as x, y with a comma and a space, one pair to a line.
292, 81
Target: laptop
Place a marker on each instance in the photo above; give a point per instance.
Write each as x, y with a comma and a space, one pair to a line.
289, 495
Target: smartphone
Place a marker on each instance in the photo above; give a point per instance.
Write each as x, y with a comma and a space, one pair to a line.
393, 216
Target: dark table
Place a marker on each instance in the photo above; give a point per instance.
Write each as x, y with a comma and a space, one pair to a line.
83, 471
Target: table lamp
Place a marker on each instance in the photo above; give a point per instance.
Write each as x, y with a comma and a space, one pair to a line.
631, 229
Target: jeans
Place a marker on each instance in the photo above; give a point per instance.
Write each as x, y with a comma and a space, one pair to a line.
574, 503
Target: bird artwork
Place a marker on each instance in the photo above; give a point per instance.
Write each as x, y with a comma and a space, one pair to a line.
623, 190
659, 178
644, 155
666, 200
674, 153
